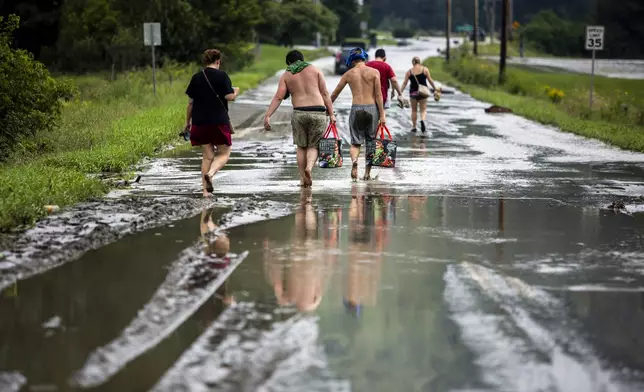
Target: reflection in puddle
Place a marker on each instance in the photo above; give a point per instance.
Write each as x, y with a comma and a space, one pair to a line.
369, 218
299, 274
196, 275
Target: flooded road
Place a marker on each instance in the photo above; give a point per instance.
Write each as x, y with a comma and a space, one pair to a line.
485, 261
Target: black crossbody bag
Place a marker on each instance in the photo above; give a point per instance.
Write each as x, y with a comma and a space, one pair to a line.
230, 124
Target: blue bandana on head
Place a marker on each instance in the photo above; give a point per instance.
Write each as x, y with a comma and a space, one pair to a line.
356, 54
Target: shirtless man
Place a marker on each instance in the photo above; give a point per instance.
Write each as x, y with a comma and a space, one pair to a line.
367, 110
311, 104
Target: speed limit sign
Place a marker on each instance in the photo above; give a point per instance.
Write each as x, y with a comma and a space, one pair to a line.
594, 42
594, 37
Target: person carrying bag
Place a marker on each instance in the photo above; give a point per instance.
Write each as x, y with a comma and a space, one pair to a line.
418, 77
380, 151
330, 148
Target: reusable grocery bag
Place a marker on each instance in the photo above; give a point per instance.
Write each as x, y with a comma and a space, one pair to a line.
381, 151
330, 148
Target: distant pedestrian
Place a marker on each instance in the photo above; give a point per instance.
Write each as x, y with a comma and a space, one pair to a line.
418, 75
367, 109
311, 106
387, 77
207, 116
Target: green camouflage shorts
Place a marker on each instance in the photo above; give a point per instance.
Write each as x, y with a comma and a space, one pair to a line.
308, 128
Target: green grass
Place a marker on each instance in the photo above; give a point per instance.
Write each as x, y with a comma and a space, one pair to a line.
110, 127
387, 42
617, 117
494, 49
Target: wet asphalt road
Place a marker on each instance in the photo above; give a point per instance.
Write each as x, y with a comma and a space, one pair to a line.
485, 261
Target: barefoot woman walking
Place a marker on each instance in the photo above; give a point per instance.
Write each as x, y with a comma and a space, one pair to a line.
418, 75
207, 116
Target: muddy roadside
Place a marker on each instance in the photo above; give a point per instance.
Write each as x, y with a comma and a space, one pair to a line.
66, 235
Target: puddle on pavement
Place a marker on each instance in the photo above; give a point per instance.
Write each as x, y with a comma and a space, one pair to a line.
51, 322
371, 292
393, 315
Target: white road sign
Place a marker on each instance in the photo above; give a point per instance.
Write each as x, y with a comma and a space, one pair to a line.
152, 33
594, 37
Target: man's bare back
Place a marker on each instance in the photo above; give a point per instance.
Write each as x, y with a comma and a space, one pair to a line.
363, 81
306, 88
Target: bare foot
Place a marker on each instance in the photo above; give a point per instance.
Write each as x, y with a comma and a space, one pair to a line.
367, 173
354, 171
208, 181
308, 179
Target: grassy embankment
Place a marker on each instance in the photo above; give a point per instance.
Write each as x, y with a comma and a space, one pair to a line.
110, 127
386, 39
494, 49
558, 99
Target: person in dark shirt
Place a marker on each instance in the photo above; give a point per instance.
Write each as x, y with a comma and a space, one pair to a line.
418, 75
207, 116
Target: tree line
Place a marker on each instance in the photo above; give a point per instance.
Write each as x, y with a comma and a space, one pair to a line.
87, 35
554, 26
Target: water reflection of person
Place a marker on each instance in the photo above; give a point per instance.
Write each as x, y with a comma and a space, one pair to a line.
217, 243
300, 277
419, 145
367, 240
417, 206
216, 248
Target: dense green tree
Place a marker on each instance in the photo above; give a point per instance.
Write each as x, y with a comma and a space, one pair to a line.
30, 99
39, 23
624, 35
298, 18
348, 12
87, 31
551, 34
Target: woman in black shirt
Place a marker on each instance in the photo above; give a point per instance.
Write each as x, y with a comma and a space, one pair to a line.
418, 75
207, 116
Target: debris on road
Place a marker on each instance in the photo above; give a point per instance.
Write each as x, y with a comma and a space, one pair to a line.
53, 323
52, 208
617, 205
498, 109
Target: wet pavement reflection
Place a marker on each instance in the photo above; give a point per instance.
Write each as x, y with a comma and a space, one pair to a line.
368, 292
484, 261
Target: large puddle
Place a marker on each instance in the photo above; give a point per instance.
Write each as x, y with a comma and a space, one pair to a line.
368, 292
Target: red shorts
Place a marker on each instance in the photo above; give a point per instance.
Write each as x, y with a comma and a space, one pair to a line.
210, 134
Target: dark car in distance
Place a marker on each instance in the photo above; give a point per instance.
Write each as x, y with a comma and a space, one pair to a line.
343, 54
481, 35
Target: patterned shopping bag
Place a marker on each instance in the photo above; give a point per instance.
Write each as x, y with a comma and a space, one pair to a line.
380, 151
330, 148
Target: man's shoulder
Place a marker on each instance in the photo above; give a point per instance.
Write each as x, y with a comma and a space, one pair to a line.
376, 64
373, 71
312, 69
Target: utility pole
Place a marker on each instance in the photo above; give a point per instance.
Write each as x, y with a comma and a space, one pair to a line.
318, 36
448, 28
504, 40
491, 15
511, 20
476, 27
